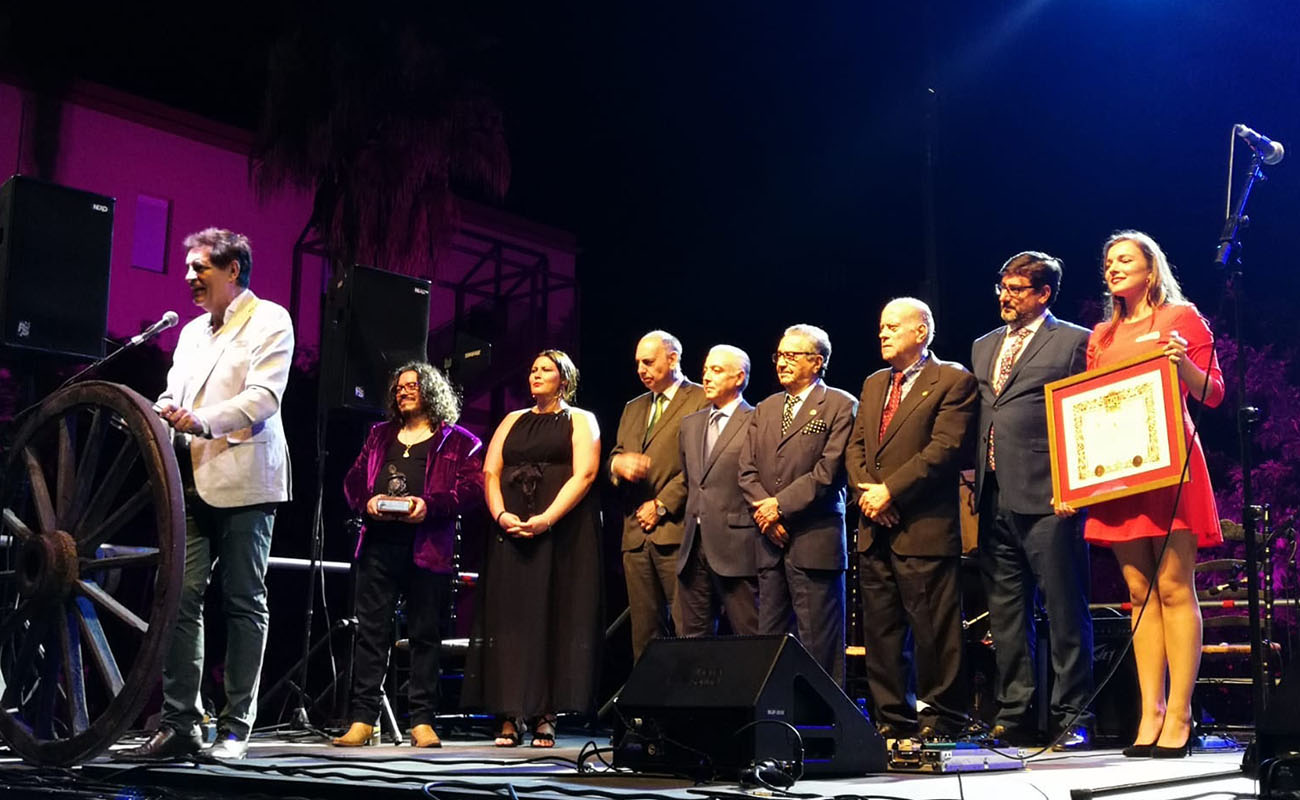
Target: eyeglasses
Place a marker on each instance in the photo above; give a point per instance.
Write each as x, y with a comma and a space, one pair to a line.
790, 355
406, 387
1014, 291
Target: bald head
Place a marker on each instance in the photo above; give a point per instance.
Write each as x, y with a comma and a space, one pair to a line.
906, 330
658, 360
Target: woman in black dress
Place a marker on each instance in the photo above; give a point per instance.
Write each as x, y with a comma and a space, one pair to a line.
536, 644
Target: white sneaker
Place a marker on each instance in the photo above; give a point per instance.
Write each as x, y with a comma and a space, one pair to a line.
227, 747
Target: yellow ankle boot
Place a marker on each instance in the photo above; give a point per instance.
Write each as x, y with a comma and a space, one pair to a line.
357, 736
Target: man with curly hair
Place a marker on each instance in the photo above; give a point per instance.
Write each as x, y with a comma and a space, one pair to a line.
416, 473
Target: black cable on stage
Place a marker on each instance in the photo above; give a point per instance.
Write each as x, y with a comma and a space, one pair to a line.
431, 786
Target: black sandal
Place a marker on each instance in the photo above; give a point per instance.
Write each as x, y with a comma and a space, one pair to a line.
508, 738
543, 736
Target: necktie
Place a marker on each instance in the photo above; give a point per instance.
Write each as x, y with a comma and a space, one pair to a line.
1009, 358
656, 411
787, 414
1008, 361
711, 432
891, 405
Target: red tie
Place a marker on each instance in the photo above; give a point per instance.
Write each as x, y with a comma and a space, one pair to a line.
895, 397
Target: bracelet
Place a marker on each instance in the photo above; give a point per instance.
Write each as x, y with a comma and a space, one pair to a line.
498, 519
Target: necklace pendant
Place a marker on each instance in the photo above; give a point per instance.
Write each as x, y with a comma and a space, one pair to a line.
407, 454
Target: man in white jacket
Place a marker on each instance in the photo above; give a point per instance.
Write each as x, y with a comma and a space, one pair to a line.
222, 400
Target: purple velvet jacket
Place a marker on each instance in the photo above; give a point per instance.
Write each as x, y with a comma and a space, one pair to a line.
453, 484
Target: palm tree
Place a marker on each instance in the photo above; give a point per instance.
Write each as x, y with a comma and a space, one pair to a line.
383, 115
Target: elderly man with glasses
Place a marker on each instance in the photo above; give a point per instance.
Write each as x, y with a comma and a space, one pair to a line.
792, 474
1024, 548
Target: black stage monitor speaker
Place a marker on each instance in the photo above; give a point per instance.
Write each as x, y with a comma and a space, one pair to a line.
55, 248
710, 707
374, 322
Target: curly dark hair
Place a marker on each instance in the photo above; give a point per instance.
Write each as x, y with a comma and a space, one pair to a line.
438, 401
568, 373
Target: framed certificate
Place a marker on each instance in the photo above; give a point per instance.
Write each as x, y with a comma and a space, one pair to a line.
1116, 431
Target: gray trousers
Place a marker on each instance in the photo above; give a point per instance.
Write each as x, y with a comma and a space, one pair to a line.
240, 540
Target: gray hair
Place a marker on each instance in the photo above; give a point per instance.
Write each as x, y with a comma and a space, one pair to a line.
671, 343
820, 339
922, 309
739, 355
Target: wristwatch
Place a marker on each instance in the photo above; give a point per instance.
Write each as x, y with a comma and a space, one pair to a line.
661, 509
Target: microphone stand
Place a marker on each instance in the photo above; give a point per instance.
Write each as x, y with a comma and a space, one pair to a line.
98, 363
1228, 256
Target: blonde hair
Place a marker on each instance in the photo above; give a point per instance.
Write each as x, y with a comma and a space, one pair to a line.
1162, 288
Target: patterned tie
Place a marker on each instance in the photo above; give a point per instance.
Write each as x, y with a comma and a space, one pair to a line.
1000, 379
787, 414
891, 405
656, 411
711, 433
1009, 358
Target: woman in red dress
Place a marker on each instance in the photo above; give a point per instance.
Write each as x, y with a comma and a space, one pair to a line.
1146, 311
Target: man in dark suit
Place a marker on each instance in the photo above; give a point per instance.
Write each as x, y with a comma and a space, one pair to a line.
792, 475
1023, 545
646, 466
715, 565
907, 449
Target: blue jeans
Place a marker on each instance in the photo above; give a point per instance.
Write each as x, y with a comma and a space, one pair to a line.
240, 540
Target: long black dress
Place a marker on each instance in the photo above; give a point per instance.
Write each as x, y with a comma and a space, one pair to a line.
536, 637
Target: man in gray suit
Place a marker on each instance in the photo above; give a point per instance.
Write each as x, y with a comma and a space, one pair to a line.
715, 565
222, 400
646, 466
792, 474
1023, 546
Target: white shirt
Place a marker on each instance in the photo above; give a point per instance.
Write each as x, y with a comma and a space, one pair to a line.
669, 393
1032, 327
802, 396
725, 412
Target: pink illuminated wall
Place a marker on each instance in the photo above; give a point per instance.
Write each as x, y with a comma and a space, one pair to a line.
124, 147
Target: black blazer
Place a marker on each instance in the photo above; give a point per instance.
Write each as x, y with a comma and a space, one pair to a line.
919, 458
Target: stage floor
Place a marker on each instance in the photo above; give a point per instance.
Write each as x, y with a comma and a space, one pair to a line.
475, 769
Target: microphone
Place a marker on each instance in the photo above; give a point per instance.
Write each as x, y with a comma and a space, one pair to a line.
1270, 152
168, 320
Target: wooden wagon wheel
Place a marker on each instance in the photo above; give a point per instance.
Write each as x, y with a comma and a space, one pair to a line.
91, 561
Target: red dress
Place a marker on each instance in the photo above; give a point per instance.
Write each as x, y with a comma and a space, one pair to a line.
1147, 514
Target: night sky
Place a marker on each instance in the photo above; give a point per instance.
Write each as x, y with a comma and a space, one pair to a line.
733, 167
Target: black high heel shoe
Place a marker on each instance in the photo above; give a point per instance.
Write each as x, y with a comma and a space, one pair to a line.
1138, 750
1174, 752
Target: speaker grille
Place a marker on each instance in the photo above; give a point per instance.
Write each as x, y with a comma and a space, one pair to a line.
55, 252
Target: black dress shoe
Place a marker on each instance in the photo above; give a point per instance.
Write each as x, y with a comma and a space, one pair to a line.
1074, 740
1174, 752
1138, 750
164, 745
888, 730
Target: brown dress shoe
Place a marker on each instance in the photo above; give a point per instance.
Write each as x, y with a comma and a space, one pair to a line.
424, 736
164, 745
357, 736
